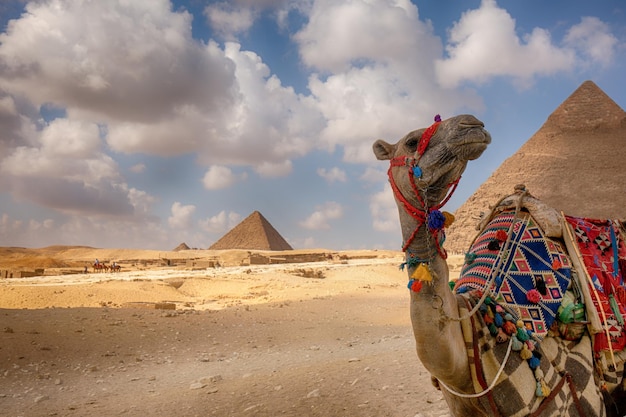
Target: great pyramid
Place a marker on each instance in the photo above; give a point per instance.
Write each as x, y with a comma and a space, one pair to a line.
254, 232
576, 163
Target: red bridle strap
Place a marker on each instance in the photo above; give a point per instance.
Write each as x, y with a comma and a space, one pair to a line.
420, 214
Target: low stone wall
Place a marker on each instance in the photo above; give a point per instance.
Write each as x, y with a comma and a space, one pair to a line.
7, 273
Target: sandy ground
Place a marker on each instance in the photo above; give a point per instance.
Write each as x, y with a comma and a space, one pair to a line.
241, 341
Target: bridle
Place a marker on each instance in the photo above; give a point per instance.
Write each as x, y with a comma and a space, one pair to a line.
431, 216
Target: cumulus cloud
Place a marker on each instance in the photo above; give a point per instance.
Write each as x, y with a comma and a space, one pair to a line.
320, 218
67, 170
220, 223
138, 168
229, 19
593, 39
484, 44
376, 76
181, 217
384, 211
274, 169
374, 175
332, 175
218, 177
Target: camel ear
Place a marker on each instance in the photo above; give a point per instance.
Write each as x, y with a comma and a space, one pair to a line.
383, 150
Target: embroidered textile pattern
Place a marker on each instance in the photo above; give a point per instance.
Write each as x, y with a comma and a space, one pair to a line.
528, 272
604, 253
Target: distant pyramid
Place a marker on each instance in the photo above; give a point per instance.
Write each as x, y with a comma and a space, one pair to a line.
182, 246
254, 232
576, 163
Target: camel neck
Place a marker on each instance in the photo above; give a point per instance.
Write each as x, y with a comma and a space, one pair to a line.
423, 247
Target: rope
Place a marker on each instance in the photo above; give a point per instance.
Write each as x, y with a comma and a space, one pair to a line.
493, 383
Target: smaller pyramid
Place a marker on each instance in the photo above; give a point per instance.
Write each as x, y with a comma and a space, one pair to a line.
254, 232
182, 246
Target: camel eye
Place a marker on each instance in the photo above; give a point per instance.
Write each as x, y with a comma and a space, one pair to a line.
411, 144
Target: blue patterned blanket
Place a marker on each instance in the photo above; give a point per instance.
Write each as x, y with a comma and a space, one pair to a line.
526, 272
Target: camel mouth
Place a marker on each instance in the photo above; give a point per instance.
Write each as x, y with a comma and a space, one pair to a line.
472, 144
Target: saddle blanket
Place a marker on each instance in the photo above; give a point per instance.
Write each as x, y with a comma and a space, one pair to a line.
528, 273
603, 253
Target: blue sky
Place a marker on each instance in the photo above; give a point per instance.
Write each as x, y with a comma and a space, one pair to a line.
149, 123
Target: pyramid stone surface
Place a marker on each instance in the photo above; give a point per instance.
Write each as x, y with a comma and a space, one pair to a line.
182, 246
576, 163
254, 232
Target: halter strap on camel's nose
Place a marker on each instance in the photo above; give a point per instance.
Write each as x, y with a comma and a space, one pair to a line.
428, 133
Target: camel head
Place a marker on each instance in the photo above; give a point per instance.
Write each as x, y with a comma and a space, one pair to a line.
435, 157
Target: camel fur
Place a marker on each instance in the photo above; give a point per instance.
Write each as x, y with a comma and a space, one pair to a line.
458, 351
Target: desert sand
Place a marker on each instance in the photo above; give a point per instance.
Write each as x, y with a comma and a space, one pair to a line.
325, 338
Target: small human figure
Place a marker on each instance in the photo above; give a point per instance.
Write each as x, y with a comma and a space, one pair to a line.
97, 262
86, 270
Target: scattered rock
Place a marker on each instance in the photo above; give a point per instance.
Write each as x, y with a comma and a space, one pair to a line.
313, 394
197, 385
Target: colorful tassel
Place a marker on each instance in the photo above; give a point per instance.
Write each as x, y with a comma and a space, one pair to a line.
493, 245
525, 353
422, 273
415, 285
492, 329
501, 235
533, 296
509, 327
521, 334
435, 220
516, 345
615, 309
533, 362
469, 258
542, 390
538, 390
498, 320
417, 172
449, 219
502, 336
556, 264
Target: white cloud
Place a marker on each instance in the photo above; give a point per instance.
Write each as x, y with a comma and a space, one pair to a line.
138, 168
220, 223
181, 217
332, 175
384, 211
122, 60
218, 177
277, 169
229, 20
374, 175
484, 44
342, 33
382, 80
593, 39
320, 218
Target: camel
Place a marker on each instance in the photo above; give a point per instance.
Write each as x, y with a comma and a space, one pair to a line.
425, 168
100, 267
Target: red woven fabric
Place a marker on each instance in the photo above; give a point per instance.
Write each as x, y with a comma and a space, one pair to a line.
599, 242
